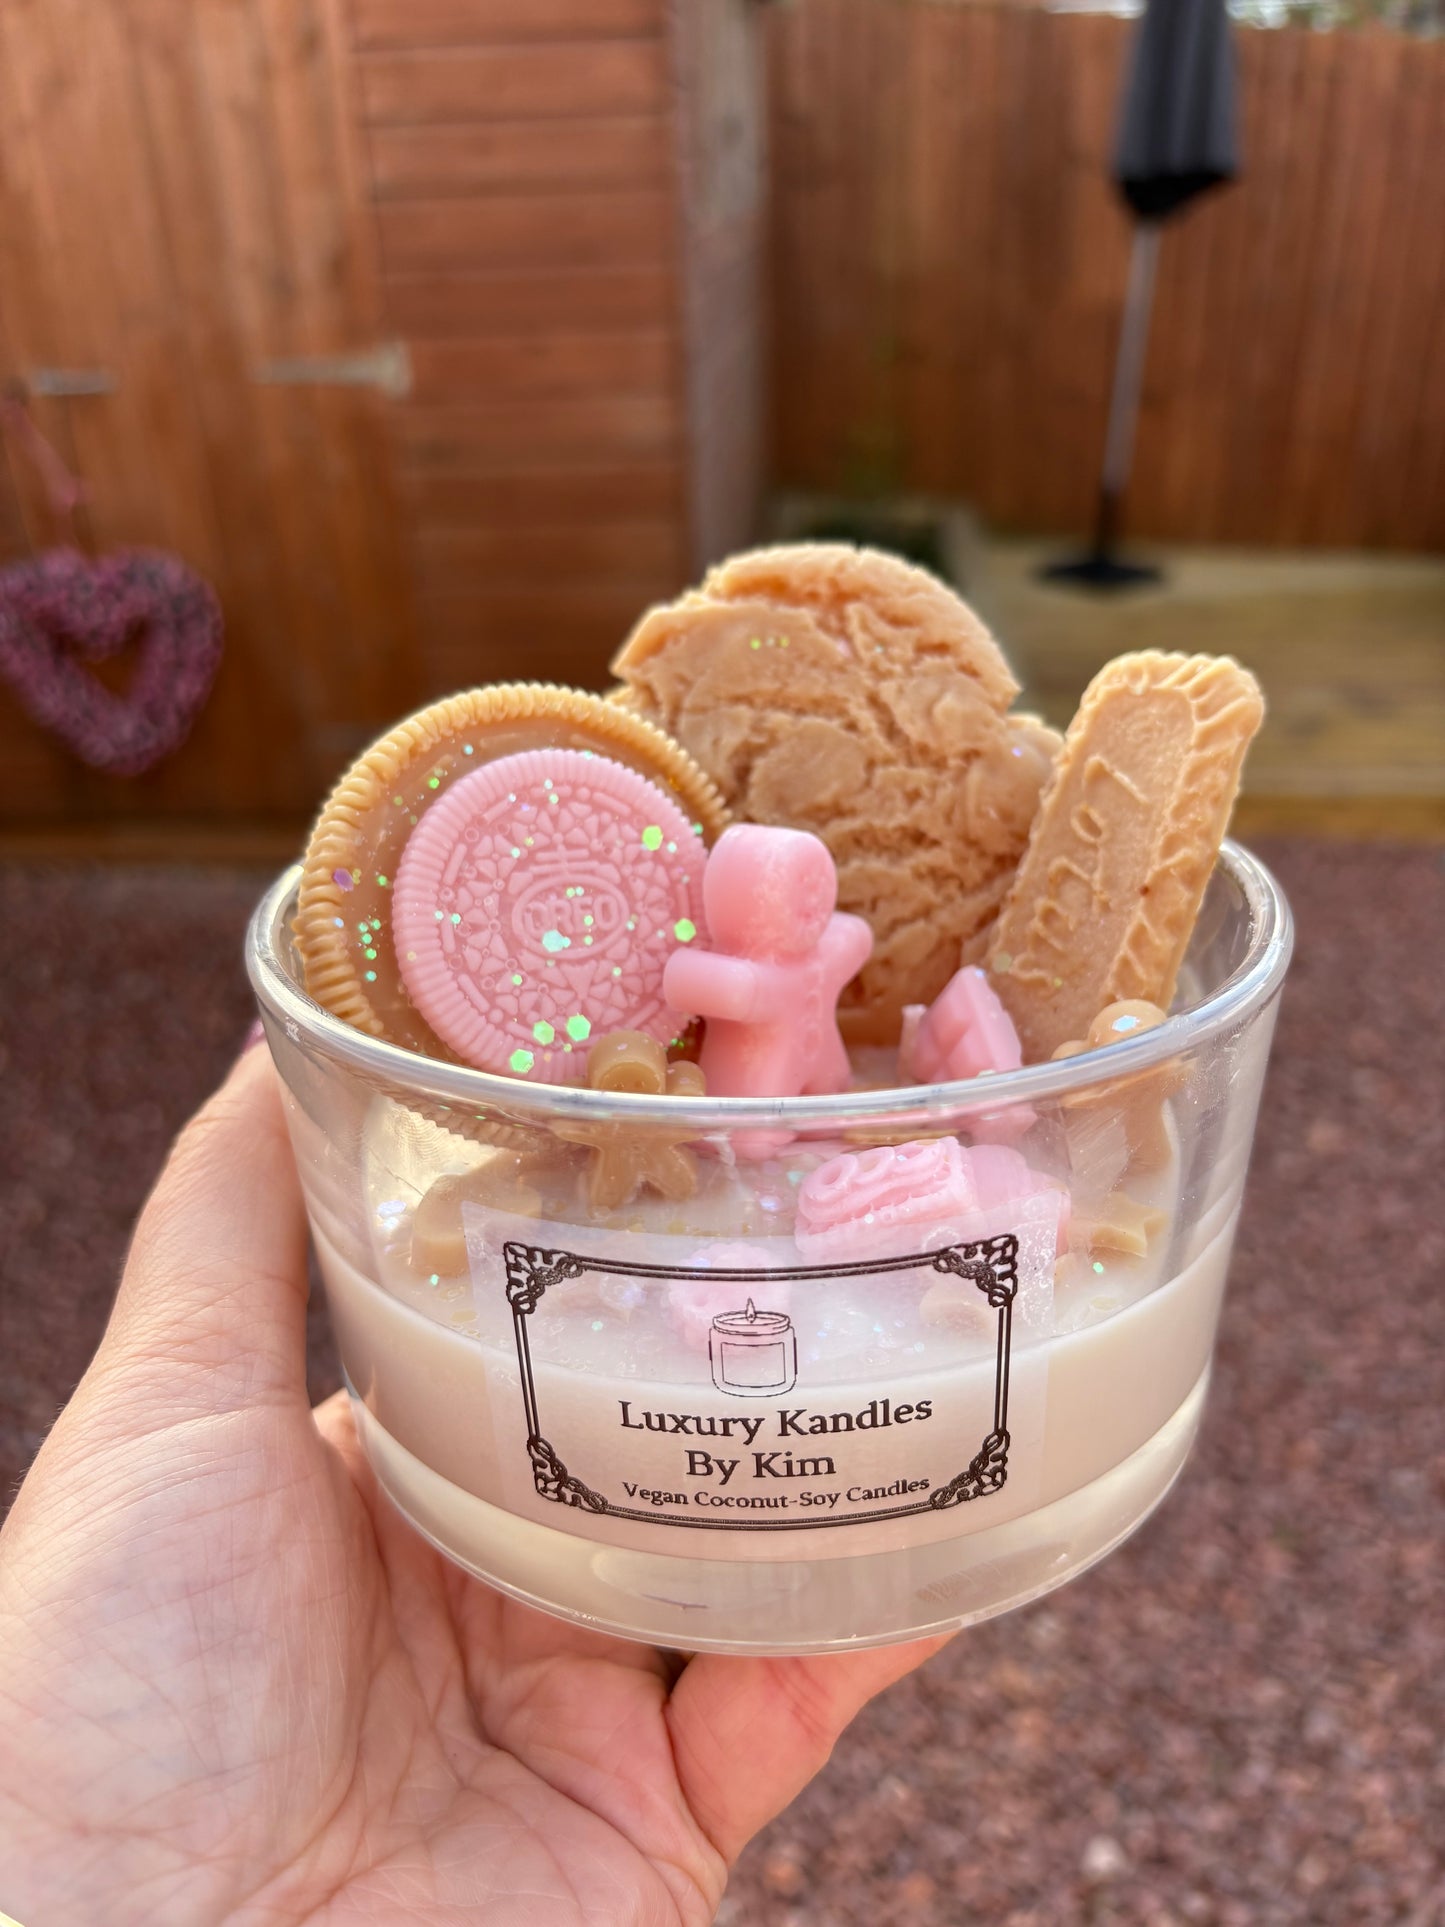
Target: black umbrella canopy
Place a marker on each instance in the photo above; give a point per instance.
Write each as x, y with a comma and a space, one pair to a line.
1176, 128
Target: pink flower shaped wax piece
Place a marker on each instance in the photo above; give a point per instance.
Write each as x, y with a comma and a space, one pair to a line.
536, 905
693, 1303
780, 955
966, 1032
902, 1198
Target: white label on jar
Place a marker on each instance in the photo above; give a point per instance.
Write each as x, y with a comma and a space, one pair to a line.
642, 1380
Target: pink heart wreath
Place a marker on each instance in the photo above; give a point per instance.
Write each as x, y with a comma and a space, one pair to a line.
62, 610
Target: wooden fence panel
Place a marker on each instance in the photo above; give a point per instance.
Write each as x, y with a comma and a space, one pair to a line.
585, 78
428, 162
547, 212
461, 23
949, 263
464, 301
179, 207
571, 228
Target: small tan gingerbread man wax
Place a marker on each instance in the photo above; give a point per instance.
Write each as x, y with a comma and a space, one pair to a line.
1119, 1223
627, 1156
1139, 1100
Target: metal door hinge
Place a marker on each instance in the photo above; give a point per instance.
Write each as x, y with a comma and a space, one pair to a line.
387, 368
70, 381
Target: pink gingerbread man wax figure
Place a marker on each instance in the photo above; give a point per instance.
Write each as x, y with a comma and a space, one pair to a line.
780, 955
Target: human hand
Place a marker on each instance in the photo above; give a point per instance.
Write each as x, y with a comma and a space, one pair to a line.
235, 1687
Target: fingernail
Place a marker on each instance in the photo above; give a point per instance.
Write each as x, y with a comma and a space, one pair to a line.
254, 1036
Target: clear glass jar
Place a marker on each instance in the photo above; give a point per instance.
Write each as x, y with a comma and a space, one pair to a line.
712, 1424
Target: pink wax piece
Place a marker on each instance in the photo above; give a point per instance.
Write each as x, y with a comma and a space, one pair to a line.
966, 1032
780, 954
1000, 1127
903, 1198
868, 1202
1002, 1175
536, 905
913, 1015
693, 1303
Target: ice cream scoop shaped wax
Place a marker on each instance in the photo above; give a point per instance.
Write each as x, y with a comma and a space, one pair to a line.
845, 692
536, 906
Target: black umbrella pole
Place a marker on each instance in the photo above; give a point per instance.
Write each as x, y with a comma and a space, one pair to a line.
1128, 380
1101, 568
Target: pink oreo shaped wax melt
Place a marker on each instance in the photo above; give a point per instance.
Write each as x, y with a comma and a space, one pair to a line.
536, 905
899, 1198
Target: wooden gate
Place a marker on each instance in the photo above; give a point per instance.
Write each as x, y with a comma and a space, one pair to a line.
188, 296
222, 215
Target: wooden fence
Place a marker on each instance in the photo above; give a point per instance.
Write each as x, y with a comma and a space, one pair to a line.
949, 262
216, 213
553, 207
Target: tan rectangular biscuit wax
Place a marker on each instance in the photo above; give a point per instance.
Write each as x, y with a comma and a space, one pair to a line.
1127, 831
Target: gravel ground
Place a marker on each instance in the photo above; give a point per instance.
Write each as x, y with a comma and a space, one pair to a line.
1238, 1719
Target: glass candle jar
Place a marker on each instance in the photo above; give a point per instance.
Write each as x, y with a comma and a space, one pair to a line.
907, 1356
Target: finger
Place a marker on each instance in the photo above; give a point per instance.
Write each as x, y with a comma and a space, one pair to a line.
748, 1734
216, 1277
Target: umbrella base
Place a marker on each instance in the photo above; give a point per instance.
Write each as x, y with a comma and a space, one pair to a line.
1100, 570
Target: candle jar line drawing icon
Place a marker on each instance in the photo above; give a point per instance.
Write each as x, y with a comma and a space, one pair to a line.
753, 1354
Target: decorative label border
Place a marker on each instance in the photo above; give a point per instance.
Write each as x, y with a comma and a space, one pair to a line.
991, 1264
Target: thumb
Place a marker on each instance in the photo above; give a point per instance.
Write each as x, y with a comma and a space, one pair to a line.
216, 1276
749, 1734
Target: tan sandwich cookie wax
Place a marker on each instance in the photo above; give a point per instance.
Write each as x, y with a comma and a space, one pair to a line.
1106, 897
343, 922
842, 691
